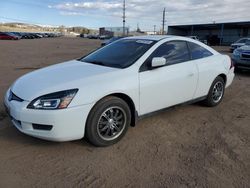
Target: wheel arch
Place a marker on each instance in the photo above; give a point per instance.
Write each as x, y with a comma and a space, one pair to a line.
224, 76
131, 105
129, 101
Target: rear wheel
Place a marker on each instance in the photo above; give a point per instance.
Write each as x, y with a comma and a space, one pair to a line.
216, 92
108, 121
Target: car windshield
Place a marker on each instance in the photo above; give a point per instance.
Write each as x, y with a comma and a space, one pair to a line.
119, 54
241, 41
248, 42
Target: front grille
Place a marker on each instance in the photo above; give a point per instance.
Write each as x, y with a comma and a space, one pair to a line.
13, 97
247, 56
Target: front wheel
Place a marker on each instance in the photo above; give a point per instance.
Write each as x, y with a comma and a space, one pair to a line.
108, 121
216, 92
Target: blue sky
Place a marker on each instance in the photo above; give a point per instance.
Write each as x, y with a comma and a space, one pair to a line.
101, 13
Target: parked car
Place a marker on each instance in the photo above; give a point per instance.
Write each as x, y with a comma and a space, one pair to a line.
18, 34
113, 39
238, 43
241, 57
93, 36
194, 37
100, 95
104, 37
27, 36
8, 36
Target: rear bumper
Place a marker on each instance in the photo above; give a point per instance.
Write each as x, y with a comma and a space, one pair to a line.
65, 125
230, 77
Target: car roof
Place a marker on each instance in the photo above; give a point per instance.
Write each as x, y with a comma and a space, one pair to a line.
151, 37
243, 38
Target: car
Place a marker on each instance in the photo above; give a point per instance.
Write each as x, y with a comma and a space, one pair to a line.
238, 43
241, 57
18, 34
194, 37
104, 37
93, 36
113, 39
8, 36
27, 36
101, 94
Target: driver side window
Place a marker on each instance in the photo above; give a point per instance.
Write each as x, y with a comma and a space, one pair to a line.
174, 52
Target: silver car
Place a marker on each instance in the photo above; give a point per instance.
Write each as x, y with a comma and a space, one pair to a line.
238, 43
241, 56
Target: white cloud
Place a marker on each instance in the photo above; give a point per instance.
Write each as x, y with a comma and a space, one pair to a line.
149, 12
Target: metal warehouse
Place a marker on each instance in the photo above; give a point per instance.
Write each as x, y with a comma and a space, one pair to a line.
215, 33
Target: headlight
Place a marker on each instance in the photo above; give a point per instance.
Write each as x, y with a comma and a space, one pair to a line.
58, 100
236, 52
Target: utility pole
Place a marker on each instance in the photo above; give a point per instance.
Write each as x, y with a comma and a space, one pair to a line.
163, 21
154, 29
124, 17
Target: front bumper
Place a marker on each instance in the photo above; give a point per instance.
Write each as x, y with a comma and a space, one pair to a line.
241, 63
65, 125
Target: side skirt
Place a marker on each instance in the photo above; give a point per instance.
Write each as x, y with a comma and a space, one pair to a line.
168, 108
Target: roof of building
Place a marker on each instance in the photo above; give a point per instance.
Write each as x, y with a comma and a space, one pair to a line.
212, 25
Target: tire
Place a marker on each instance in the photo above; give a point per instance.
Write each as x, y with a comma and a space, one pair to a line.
108, 122
216, 92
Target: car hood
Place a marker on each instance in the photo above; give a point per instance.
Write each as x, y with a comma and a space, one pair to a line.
245, 48
237, 44
69, 75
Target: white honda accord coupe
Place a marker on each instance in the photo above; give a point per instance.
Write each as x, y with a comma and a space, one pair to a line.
100, 95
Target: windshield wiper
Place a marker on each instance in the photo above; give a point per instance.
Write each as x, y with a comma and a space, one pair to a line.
96, 63
102, 64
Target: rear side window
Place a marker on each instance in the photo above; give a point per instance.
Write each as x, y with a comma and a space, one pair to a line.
197, 51
174, 52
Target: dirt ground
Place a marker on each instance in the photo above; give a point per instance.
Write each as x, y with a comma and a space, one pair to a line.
186, 146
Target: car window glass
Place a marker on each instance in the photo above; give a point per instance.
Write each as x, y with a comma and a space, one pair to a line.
119, 54
242, 41
197, 51
247, 42
174, 52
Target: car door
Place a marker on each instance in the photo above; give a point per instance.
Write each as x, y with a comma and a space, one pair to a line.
206, 64
168, 85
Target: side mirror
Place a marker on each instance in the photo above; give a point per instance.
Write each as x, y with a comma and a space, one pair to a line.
158, 62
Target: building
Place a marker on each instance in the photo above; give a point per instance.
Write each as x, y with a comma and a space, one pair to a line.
215, 33
113, 31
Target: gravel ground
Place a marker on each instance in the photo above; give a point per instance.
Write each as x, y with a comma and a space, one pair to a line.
186, 146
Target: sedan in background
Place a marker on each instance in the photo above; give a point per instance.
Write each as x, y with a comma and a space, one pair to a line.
241, 57
238, 43
8, 36
100, 95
